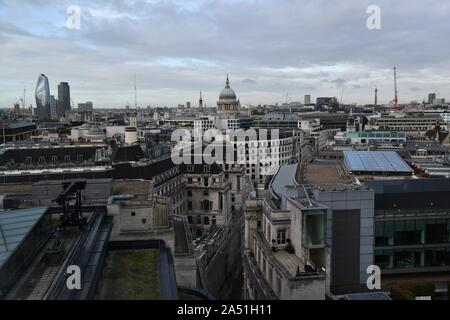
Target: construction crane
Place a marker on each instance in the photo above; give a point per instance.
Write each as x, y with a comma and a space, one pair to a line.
24, 98
395, 89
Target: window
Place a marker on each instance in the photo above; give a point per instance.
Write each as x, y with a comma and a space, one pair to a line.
190, 168
206, 193
54, 159
199, 220
207, 168
281, 236
28, 160
406, 234
189, 205
144, 221
205, 181
383, 259
206, 221
189, 193
214, 221
404, 259
133, 214
67, 158
437, 232
206, 205
79, 158
384, 233
41, 160
190, 219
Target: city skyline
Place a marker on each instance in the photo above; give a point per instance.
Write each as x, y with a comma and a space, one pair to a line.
177, 48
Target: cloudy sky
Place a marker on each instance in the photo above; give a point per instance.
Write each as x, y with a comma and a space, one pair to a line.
269, 48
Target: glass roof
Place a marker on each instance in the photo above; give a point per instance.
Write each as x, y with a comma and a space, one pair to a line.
375, 161
14, 226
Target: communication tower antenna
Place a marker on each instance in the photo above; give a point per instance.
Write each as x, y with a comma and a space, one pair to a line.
395, 89
135, 91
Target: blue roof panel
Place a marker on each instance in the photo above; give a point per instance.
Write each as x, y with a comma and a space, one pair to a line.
376, 161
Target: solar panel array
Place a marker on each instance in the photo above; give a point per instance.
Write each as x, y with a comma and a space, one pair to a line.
375, 161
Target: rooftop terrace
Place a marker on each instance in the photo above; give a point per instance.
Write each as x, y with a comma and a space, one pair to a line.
132, 275
326, 176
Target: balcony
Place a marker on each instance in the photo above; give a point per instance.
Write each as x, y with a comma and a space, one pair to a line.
288, 264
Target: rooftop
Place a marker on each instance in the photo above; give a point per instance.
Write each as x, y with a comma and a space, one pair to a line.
17, 125
322, 174
132, 275
290, 262
376, 162
325, 175
14, 227
284, 177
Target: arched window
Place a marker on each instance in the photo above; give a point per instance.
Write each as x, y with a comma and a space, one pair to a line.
206, 205
199, 233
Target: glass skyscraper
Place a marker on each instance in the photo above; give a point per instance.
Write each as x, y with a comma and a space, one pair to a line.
63, 98
43, 98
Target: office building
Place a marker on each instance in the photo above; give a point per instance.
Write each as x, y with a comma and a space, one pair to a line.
307, 99
326, 103
53, 107
407, 123
431, 97
64, 102
86, 110
42, 95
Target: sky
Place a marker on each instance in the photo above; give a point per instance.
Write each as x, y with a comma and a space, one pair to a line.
270, 48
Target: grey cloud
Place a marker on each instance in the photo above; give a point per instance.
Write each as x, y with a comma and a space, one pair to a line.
185, 46
249, 81
339, 81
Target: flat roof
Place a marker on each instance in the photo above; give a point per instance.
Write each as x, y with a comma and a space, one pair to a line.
327, 176
16, 125
322, 174
285, 177
14, 226
132, 275
375, 161
57, 170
